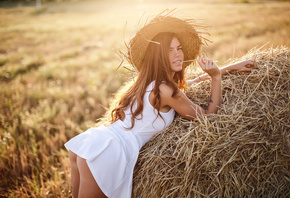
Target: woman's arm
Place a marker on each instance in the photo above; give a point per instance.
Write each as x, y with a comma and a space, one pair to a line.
243, 66
183, 105
216, 95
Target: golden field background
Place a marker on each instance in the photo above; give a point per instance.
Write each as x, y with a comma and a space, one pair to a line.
58, 73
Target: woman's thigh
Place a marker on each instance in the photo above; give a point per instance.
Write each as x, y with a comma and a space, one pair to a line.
72, 157
88, 185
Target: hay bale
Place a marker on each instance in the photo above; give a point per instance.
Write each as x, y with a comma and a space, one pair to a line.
243, 151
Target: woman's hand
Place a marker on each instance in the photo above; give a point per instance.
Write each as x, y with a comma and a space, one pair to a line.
243, 66
209, 67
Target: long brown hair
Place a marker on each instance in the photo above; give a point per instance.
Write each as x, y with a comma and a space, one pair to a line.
156, 67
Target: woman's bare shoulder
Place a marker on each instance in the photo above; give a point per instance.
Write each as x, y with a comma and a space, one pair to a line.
165, 90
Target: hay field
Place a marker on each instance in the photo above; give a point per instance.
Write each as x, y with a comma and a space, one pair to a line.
58, 74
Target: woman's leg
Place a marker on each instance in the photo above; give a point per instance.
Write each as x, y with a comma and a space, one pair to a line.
75, 175
88, 185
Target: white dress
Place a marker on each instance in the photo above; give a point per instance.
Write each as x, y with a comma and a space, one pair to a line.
111, 151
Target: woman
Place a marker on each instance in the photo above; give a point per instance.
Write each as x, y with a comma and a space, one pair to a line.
103, 158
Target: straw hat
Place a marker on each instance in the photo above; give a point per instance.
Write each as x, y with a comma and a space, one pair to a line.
185, 29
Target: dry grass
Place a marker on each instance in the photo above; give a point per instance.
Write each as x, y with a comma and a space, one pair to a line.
57, 74
243, 151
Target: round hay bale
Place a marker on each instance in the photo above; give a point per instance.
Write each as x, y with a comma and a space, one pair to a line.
243, 151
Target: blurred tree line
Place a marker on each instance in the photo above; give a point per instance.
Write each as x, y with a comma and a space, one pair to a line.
43, 1
39, 0
38, 3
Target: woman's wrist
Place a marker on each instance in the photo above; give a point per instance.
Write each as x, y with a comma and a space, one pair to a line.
216, 77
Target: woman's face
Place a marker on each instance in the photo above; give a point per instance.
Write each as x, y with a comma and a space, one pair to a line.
176, 55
